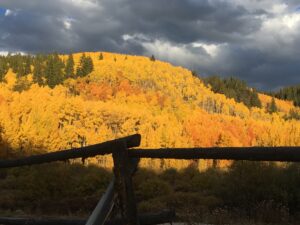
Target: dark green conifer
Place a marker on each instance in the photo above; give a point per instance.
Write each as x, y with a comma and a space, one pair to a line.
152, 58
38, 70
27, 65
85, 66
101, 56
69, 68
3, 68
271, 107
54, 70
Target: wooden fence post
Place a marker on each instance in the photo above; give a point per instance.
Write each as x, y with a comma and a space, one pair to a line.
124, 167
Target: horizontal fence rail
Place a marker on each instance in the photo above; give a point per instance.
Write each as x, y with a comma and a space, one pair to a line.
84, 152
280, 154
144, 219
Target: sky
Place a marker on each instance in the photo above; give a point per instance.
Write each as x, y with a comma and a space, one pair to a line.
255, 40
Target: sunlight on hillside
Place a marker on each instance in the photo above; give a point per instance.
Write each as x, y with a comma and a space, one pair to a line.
128, 94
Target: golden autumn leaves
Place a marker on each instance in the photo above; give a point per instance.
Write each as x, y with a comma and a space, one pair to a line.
128, 94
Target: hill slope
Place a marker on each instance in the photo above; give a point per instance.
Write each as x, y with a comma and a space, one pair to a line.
131, 94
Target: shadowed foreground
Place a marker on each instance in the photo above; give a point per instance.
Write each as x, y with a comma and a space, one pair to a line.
248, 192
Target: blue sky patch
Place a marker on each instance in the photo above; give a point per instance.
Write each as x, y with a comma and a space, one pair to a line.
2, 11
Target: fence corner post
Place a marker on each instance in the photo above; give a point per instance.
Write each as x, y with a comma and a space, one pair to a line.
124, 167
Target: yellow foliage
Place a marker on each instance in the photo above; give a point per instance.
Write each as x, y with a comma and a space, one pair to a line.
11, 79
282, 105
124, 95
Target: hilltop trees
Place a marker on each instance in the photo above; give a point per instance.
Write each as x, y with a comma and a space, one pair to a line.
38, 70
46, 69
27, 65
3, 67
20, 64
234, 88
290, 93
54, 70
152, 58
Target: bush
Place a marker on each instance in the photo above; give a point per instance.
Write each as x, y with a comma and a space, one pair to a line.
153, 188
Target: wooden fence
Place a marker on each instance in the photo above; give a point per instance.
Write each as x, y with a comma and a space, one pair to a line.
120, 192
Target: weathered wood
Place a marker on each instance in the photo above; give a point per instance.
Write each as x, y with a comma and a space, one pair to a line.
145, 219
84, 152
123, 170
104, 206
40, 221
280, 154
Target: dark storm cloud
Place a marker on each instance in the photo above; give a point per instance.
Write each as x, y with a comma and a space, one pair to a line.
260, 69
214, 37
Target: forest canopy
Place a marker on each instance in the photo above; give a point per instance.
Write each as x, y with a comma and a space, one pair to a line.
52, 102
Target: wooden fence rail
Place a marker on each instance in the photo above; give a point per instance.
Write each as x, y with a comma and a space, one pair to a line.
84, 152
144, 219
279, 154
121, 191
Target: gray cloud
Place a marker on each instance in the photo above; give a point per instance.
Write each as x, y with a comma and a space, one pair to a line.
255, 40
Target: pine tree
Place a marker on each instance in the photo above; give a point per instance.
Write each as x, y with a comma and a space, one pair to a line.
101, 56
3, 68
38, 70
194, 73
234, 88
69, 68
53, 70
14, 62
89, 64
290, 93
80, 69
152, 58
254, 100
271, 107
85, 66
27, 65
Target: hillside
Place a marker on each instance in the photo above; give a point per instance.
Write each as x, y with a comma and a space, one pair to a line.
291, 93
127, 94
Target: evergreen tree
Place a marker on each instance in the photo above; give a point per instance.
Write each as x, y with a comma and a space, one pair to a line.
290, 93
271, 107
85, 66
234, 88
294, 114
81, 67
21, 65
38, 70
3, 68
69, 68
194, 73
152, 58
101, 56
53, 70
14, 62
254, 100
89, 64
21, 85
27, 65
